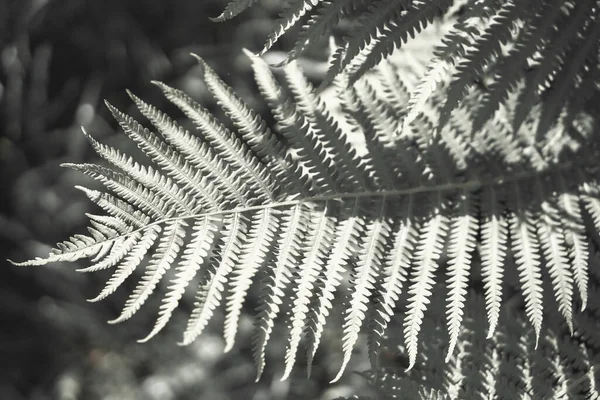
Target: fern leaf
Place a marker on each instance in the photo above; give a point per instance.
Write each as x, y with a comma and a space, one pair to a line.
115, 256
165, 188
254, 130
225, 143
295, 128
254, 253
429, 248
195, 152
233, 8
542, 19
378, 14
397, 265
168, 248
320, 241
194, 256
487, 46
129, 190
345, 244
493, 252
376, 235
462, 242
294, 227
396, 32
326, 128
552, 240
209, 294
526, 246
307, 208
325, 18
575, 234
552, 54
295, 10
564, 81
453, 46
128, 265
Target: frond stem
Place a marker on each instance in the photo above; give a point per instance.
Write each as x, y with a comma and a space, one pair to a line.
472, 184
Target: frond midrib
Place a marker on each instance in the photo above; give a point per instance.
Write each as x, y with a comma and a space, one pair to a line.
468, 185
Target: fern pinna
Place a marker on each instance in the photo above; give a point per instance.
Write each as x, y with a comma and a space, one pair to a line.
304, 207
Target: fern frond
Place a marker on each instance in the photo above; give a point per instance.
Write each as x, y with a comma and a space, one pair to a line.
348, 230
429, 248
294, 11
168, 248
129, 262
209, 296
367, 268
306, 208
527, 257
397, 265
396, 32
505, 366
371, 22
253, 255
494, 232
233, 8
194, 256
294, 227
321, 23
463, 228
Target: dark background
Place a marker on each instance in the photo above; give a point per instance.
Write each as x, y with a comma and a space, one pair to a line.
58, 61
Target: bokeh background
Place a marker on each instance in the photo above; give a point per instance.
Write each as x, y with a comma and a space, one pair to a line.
59, 59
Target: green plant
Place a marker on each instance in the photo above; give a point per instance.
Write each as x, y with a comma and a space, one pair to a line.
464, 161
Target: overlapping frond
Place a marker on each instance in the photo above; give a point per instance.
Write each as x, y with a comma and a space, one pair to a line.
493, 47
505, 366
223, 206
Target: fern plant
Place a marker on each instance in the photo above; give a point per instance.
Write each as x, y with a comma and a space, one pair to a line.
304, 207
217, 202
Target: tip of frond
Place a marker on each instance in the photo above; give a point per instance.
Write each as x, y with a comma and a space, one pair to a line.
117, 320
97, 298
411, 363
285, 375
93, 142
69, 165
342, 369
110, 106
228, 347
187, 340
337, 377
249, 54
133, 96
149, 336
85, 190
220, 18
159, 84
115, 111
259, 372
200, 60
36, 262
